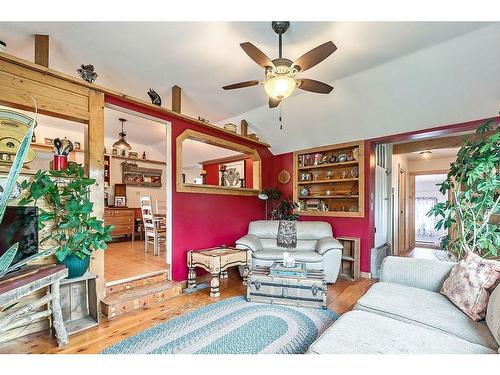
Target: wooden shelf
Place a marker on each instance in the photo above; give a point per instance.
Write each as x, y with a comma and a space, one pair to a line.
44, 147
328, 181
330, 165
329, 197
344, 194
138, 160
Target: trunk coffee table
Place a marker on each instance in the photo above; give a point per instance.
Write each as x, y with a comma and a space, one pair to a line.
217, 260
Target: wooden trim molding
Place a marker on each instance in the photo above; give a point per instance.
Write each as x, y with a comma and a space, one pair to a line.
210, 189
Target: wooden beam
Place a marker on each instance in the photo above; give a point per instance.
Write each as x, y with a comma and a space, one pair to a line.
27, 68
42, 50
435, 143
94, 160
176, 98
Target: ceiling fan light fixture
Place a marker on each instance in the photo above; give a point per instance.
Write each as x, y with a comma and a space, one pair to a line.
280, 87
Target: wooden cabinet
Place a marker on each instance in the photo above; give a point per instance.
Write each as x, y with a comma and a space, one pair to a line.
123, 220
330, 180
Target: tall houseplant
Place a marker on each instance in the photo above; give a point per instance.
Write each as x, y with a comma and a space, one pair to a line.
471, 216
67, 215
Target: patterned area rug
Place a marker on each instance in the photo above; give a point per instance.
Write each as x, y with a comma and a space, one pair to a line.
232, 326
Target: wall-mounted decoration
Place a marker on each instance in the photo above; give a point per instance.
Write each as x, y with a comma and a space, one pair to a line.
78, 146
87, 73
114, 152
133, 155
284, 177
13, 127
135, 175
232, 174
155, 98
48, 141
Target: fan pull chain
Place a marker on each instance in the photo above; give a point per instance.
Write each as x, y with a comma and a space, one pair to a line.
281, 120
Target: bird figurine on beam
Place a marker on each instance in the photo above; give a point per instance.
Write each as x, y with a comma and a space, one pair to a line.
155, 98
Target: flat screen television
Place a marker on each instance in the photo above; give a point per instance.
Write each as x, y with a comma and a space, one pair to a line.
19, 224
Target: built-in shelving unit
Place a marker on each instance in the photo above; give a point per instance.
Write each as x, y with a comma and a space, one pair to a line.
329, 180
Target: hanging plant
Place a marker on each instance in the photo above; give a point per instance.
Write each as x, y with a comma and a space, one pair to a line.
472, 214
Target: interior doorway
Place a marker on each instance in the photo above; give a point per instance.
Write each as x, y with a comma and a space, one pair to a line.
137, 174
402, 233
426, 195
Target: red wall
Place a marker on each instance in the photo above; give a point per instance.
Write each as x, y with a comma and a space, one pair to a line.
204, 220
342, 226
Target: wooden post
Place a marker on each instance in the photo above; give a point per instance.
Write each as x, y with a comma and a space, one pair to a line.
244, 127
176, 99
94, 160
42, 50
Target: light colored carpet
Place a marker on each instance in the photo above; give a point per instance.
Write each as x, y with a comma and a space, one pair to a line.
232, 326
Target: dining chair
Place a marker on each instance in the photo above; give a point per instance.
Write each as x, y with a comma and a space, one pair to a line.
161, 207
154, 232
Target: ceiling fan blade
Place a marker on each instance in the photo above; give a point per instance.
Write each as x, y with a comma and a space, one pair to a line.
314, 86
241, 85
315, 56
273, 103
257, 55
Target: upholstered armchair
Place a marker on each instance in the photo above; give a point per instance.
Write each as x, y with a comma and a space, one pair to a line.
316, 246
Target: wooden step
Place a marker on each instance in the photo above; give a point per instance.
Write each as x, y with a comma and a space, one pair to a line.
121, 302
137, 283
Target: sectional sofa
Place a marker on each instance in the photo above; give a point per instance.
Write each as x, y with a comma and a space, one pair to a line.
405, 313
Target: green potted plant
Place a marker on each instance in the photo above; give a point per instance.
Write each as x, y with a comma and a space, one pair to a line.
284, 210
66, 213
471, 216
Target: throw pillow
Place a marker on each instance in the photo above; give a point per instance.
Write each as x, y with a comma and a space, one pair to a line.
469, 284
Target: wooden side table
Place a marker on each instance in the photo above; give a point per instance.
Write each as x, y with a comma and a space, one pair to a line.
217, 260
19, 284
349, 268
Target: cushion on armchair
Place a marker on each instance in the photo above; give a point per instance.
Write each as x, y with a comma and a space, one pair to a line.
250, 241
327, 243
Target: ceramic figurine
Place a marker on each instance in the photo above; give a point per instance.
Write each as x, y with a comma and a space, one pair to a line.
155, 98
87, 73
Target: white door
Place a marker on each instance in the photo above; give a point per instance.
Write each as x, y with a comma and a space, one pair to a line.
381, 196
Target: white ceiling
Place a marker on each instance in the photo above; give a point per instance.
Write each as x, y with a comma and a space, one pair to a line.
194, 152
387, 76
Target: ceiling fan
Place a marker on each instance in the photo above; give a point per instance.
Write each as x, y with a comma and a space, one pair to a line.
281, 73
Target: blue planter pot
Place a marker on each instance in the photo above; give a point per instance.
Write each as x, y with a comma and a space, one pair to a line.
76, 266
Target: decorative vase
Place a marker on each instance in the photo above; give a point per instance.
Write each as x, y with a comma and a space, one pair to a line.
76, 266
60, 162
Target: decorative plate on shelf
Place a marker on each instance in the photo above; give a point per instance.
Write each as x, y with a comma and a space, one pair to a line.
284, 176
341, 158
332, 159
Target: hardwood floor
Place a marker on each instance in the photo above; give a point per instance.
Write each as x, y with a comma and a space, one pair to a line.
341, 298
127, 259
428, 253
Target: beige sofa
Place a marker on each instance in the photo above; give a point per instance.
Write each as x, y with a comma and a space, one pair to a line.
405, 313
316, 246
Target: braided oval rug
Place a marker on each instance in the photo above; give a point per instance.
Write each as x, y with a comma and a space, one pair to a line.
232, 326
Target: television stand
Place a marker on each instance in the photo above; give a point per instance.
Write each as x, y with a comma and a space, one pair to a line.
19, 284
